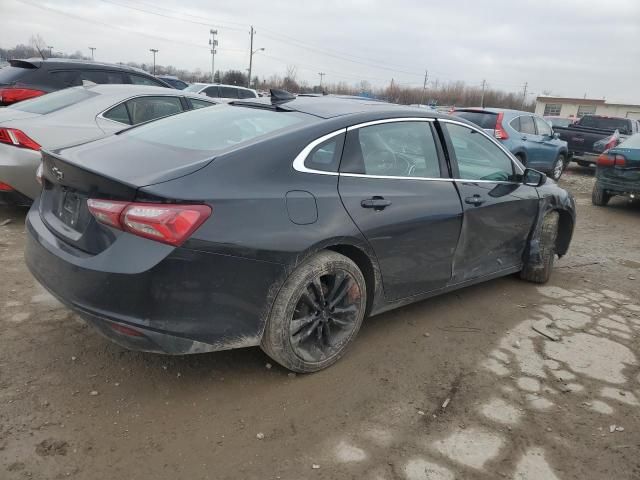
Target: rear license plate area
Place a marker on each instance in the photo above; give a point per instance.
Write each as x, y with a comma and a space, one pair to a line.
69, 208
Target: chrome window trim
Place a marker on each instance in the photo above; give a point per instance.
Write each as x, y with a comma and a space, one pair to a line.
298, 162
430, 179
171, 94
390, 120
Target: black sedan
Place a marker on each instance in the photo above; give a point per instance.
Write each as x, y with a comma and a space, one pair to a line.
283, 223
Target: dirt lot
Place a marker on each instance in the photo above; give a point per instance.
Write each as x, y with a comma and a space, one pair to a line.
518, 405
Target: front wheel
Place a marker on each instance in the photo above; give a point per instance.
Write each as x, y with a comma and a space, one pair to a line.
558, 167
540, 273
316, 314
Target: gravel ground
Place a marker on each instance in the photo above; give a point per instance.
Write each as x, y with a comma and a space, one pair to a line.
502, 380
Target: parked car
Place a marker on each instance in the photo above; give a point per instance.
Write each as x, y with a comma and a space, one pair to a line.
559, 121
72, 116
529, 137
175, 82
24, 79
223, 92
585, 134
283, 223
618, 172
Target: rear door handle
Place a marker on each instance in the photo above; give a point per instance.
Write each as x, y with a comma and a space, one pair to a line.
377, 203
476, 200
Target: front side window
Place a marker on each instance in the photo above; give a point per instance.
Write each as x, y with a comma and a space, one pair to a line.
144, 109
543, 127
397, 149
552, 109
211, 92
527, 125
478, 157
228, 92
243, 93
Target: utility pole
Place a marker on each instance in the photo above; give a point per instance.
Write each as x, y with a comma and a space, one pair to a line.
50, 51
322, 74
92, 50
524, 94
213, 43
154, 51
484, 84
424, 86
250, 56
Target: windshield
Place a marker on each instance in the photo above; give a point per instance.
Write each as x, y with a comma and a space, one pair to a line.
54, 101
194, 87
485, 120
606, 123
216, 128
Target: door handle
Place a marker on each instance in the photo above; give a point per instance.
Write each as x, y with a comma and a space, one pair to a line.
524, 137
377, 203
476, 200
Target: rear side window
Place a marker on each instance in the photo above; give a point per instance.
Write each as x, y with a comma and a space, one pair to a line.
212, 92
140, 80
118, 114
217, 128
54, 101
200, 103
242, 93
526, 125
485, 120
144, 109
13, 74
326, 156
66, 78
228, 92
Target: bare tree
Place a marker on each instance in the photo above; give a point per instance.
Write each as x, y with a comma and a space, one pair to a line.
38, 43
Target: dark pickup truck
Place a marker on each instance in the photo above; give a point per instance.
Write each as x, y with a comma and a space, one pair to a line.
587, 137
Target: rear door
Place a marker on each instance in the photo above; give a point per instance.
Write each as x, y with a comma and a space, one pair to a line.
499, 211
544, 149
396, 189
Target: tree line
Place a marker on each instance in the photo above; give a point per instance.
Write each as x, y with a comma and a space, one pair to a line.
444, 94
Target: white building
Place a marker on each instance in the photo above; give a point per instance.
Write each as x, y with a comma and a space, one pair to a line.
577, 107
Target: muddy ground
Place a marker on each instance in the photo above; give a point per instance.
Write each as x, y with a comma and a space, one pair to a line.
518, 404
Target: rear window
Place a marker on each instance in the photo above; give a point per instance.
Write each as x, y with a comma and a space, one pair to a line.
216, 128
482, 119
54, 101
631, 142
620, 124
12, 74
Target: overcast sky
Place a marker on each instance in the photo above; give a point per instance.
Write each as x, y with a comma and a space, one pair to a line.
568, 47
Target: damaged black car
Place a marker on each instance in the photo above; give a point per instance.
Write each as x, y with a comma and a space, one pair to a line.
283, 223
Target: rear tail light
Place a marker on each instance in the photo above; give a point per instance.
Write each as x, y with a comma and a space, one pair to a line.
4, 187
13, 95
171, 224
17, 138
499, 132
611, 160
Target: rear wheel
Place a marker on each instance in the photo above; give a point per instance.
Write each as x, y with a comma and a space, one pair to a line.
558, 167
599, 197
316, 314
540, 273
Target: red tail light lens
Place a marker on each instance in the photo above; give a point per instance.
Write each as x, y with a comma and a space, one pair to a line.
17, 138
5, 187
499, 132
611, 160
171, 224
13, 95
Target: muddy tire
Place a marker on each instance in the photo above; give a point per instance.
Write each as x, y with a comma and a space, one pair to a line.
317, 313
541, 273
558, 167
599, 197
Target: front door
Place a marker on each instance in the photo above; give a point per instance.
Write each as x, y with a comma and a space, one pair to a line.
544, 153
391, 185
499, 211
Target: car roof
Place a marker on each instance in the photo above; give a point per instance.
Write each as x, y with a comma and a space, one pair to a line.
494, 110
38, 62
329, 106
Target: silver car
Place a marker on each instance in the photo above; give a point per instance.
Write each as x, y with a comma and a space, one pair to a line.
72, 116
219, 91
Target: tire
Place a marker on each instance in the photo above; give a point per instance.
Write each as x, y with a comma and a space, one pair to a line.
304, 335
541, 273
599, 197
582, 163
558, 167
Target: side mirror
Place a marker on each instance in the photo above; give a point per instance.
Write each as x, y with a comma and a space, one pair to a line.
533, 178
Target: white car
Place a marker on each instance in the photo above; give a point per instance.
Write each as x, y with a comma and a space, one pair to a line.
219, 91
72, 116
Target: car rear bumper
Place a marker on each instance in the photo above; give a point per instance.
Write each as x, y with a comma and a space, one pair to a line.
18, 168
619, 187
158, 298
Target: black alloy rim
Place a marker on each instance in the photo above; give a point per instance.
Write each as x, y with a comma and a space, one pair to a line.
325, 316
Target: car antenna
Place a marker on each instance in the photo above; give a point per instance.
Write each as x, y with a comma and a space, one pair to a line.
281, 96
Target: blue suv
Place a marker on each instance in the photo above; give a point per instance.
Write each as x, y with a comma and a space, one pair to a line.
527, 136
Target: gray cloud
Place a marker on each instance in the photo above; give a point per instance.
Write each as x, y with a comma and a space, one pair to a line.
568, 48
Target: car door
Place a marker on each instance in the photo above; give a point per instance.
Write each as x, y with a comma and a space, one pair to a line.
394, 185
546, 146
527, 132
499, 210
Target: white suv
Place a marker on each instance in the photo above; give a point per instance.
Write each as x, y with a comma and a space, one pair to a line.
226, 93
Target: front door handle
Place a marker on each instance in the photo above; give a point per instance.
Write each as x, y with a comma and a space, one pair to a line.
377, 203
476, 200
